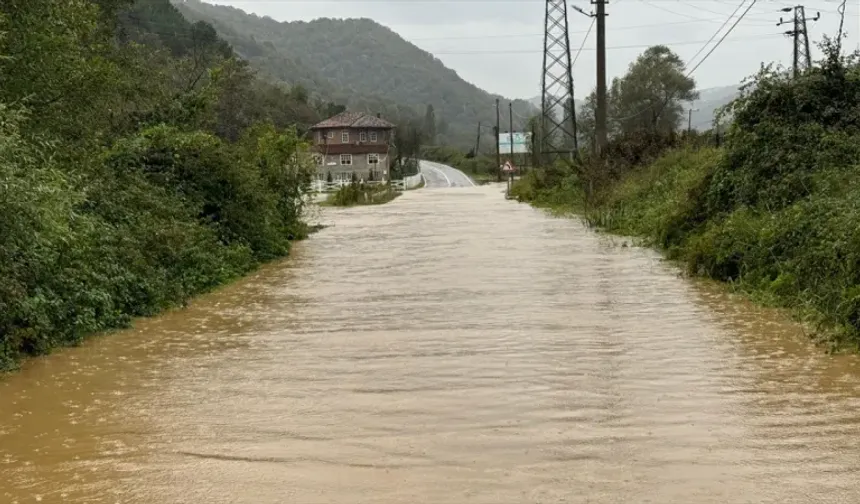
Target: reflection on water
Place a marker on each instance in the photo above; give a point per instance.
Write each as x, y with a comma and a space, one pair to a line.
450, 347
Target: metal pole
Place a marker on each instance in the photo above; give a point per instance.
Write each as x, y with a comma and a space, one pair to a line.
511, 119
796, 42
543, 86
557, 135
600, 115
807, 63
498, 154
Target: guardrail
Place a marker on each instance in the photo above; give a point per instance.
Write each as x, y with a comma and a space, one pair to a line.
405, 184
413, 181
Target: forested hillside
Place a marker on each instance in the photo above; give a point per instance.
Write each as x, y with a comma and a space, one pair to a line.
140, 163
361, 64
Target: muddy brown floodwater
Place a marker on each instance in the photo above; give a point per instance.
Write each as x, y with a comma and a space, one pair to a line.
450, 347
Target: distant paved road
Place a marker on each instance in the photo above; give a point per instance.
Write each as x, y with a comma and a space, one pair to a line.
439, 175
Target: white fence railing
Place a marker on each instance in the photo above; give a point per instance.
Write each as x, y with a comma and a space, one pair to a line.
413, 181
405, 184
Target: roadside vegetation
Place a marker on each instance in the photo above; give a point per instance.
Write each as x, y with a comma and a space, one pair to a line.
771, 207
361, 194
141, 163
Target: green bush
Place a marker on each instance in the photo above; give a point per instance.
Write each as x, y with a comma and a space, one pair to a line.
166, 216
775, 212
558, 188
176, 183
362, 194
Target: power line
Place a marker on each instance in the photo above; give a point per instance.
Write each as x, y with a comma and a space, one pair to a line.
484, 36
691, 71
718, 30
584, 39
619, 47
578, 32
722, 39
188, 36
698, 8
651, 3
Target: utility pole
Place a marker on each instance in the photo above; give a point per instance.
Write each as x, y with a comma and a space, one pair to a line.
496, 141
478, 140
511, 119
530, 158
557, 135
690, 120
802, 55
600, 112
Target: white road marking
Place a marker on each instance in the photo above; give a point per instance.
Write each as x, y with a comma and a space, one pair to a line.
470, 180
440, 172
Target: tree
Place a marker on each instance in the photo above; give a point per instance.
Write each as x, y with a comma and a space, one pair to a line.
585, 121
53, 69
129, 206
442, 127
430, 125
567, 140
407, 141
534, 145
648, 98
232, 82
299, 94
328, 109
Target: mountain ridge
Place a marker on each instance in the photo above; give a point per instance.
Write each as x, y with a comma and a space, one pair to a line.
361, 64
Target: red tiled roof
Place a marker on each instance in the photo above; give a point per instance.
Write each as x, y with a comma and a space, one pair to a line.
353, 120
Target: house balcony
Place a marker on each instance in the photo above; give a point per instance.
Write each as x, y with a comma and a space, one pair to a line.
352, 148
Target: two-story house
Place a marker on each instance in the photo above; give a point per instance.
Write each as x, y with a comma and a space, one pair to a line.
353, 142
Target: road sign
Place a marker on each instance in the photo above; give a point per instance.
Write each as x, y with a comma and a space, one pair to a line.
521, 142
508, 167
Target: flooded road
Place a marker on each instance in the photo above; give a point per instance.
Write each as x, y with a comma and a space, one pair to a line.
453, 348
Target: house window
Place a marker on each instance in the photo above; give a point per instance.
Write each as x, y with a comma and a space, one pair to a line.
372, 137
362, 137
344, 176
346, 159
373, 159
331, 135
344, 137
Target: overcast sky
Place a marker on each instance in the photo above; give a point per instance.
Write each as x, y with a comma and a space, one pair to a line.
497, 44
